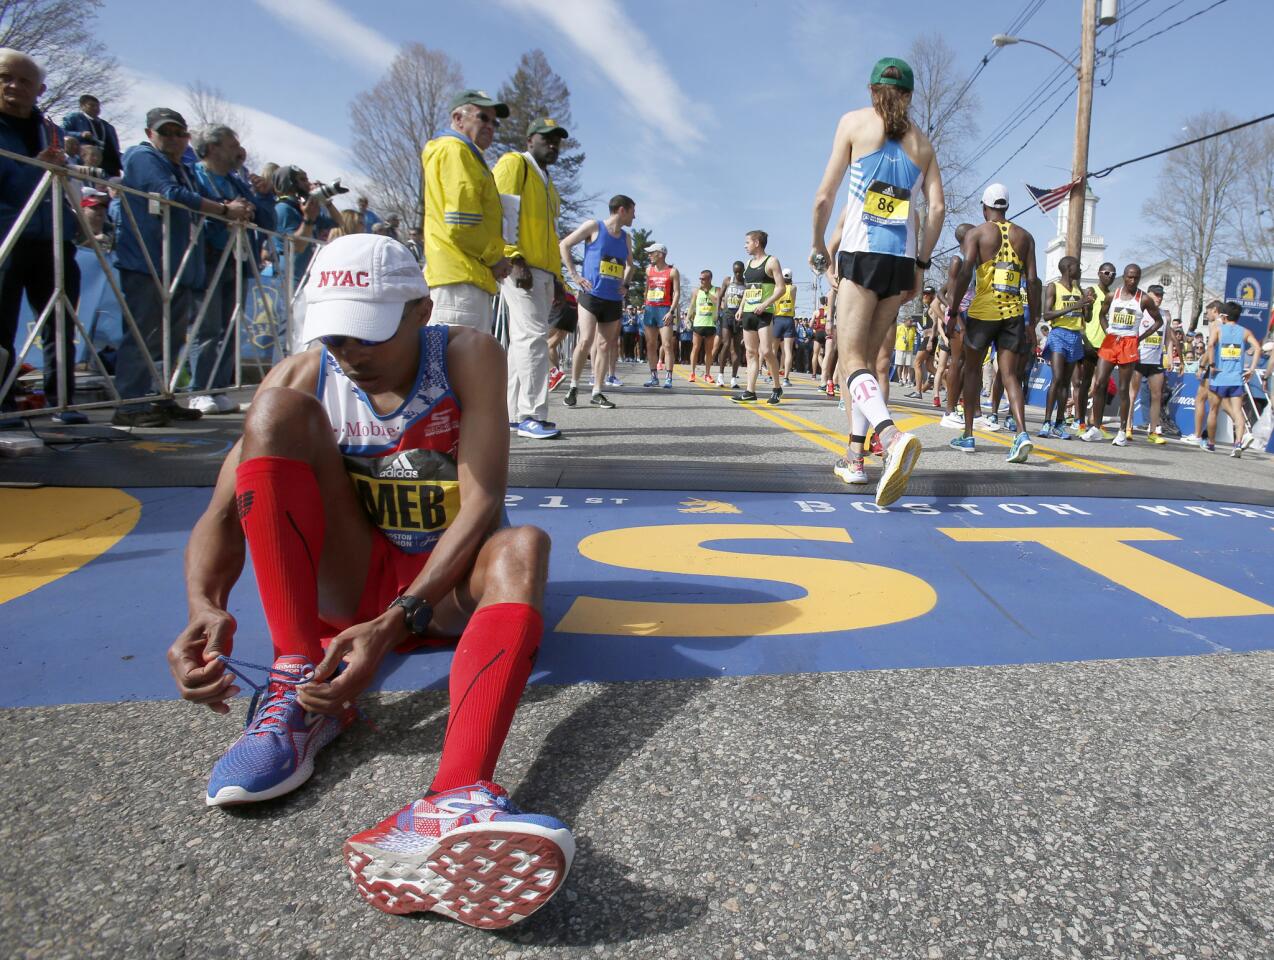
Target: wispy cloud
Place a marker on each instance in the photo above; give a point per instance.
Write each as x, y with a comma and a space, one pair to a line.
603, 33
267, 136
335, 31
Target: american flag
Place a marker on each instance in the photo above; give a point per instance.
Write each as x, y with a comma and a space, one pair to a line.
1047, 200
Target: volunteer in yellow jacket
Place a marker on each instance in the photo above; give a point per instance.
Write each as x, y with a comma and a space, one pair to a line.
536, 262
464, 241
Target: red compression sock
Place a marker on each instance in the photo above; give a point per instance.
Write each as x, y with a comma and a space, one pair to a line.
488, 674
281, 511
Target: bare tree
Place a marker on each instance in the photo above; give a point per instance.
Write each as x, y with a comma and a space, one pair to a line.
1194, 205
208, 107
59, 35
1254, 214
535, 91
392, 121
947, 116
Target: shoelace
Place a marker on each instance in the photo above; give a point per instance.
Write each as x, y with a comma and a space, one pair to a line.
268, 705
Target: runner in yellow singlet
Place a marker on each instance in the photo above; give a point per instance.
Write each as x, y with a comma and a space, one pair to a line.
1066, 306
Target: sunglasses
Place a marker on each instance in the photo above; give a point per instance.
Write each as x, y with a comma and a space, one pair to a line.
335, 342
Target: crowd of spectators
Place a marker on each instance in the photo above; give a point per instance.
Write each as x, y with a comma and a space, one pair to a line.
202, 174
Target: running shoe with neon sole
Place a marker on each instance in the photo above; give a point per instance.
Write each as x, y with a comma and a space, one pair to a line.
693, 379
851, 470
900, 459
1021, 449
468, 854
276, 751
1156, 439
963, 444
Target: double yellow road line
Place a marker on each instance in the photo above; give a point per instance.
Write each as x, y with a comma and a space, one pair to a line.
829, 439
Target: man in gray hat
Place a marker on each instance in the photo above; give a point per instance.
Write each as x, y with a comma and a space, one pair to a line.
464, 236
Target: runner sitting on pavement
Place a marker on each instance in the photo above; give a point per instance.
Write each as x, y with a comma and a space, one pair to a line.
368, 487
889, 160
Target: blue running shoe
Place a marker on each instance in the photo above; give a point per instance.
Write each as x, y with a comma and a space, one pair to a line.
534, 429
668, 384
1010, 424
1062, 433
1046, 431
964, 444
466, 853
275, 754
652, 382
1021, 449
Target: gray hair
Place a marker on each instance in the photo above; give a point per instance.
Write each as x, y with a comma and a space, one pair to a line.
9, 53
210, 137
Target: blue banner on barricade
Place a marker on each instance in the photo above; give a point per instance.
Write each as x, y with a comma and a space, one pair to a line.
1248, 284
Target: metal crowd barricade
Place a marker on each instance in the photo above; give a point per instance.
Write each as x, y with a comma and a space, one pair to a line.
63, 187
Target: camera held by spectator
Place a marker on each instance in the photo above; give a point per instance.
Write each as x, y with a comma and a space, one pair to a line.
324, 191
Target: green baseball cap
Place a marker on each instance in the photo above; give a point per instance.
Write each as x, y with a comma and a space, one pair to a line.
546, 126
906, 80
480, 98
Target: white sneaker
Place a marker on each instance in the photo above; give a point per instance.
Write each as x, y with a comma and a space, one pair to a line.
952, 421
225, 404
203, 404
1190, 438
1249, 438
989, 424
1121, 439
1091, 435
734, 383
850, 470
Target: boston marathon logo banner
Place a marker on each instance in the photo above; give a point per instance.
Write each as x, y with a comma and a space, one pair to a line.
1248, 285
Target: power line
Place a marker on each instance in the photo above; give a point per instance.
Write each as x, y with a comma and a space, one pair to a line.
1171, 26
1061, 103
1188, 143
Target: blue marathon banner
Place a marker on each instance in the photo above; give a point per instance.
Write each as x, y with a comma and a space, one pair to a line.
1248, 285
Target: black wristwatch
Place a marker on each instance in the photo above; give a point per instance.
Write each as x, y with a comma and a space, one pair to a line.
418, 613
923, 264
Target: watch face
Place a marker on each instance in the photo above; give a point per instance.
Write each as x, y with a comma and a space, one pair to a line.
418, 618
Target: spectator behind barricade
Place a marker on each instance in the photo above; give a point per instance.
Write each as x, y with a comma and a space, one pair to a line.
463, 223
304, 209
220, 154
30, 268
155, 166
392, 226
368, 218
536, 262
416, 243
88, 127
351, 222
94, 204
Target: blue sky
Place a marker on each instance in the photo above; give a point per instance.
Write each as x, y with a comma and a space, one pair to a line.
716, 116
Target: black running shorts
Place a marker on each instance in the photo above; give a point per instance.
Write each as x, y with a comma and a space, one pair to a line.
606, 311
1148, 370
883, 274
755, 321
1007, 334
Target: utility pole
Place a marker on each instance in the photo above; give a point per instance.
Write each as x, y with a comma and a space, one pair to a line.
1083, 120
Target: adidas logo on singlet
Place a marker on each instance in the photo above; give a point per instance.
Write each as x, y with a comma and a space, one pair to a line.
400, 468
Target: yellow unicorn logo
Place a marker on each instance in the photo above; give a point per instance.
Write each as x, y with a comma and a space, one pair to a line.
695, 505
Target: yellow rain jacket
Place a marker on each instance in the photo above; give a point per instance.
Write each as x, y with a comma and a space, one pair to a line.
463, 216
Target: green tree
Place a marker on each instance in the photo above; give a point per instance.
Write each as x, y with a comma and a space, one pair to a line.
532, 92
641, 260
62, 37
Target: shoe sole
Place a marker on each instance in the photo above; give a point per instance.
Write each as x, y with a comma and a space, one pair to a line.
965, 449
233, 796
537, 436
736, 400
481, 875
893, 482
1022, 453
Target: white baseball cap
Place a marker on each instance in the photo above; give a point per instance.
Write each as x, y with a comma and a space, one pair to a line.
358, 285
657, 248
996, 195
787, 274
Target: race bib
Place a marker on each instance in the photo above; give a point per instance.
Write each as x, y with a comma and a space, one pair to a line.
1231, 351
733, 300
411, 496
610, 268
655, 294
1006, 277
886, 205
1123, 322
1153, 340
704, 307
753, 296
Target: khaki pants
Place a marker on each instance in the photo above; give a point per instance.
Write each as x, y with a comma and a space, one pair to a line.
462, 305
528, 393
